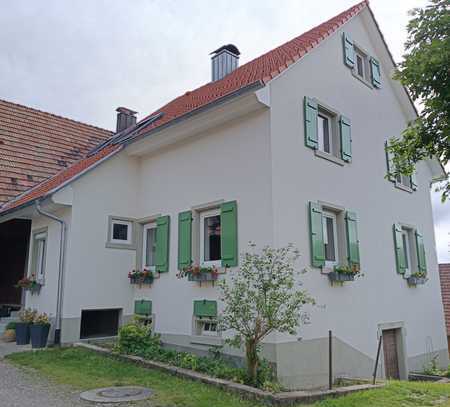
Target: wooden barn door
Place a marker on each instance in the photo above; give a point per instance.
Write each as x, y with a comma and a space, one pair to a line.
390, 354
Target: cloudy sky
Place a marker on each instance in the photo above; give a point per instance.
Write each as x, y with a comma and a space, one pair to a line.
83, 58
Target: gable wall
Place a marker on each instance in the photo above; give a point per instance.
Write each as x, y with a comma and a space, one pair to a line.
298, 176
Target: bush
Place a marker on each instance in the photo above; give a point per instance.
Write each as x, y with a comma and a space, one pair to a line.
137, 339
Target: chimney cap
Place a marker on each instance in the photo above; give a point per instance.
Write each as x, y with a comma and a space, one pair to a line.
126, 111
229, 47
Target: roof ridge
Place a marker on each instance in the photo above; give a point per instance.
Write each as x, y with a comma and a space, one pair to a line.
33, 109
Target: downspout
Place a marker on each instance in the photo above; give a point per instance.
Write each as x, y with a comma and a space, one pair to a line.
62, 246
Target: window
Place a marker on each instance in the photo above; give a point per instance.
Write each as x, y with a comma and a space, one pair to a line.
210, 238
120, 233
324, 132
327, 132
207, 326
39, 244
407, 249
330, 238
361, 68
149, 245
403, 180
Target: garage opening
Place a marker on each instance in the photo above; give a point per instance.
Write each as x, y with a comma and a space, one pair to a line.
99, 323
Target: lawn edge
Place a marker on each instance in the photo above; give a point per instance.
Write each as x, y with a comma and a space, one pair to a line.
244, 391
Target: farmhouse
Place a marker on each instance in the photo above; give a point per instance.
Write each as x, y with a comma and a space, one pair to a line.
287, 148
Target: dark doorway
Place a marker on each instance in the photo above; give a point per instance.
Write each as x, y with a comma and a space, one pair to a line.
390, 351
14, 239
99, 323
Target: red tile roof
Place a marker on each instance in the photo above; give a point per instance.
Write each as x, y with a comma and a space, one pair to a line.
35, 145
259, 70
444, 274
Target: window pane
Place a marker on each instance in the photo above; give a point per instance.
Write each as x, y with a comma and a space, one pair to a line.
360, 65
120, 231
212, 238
330, 251
406, 248
40, 258
150, 249
324, 133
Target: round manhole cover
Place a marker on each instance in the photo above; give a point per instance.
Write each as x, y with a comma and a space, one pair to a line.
119, 394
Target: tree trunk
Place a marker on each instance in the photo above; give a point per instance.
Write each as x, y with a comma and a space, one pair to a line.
251, 356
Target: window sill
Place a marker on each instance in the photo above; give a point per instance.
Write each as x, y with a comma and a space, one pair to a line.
364, 81
329, 157
110, 245
403, 187
207, 340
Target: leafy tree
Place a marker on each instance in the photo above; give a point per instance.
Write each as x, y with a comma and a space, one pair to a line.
260, 298
425, 71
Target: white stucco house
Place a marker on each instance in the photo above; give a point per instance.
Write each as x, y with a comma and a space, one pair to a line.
288, 148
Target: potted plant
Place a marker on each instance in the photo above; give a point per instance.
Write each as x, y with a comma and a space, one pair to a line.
199, 273
26, 318
10, 332
29, 284
342, 273
417, 278
141, 277
39, 331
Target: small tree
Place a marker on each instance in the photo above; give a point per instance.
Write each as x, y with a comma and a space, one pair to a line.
260, 298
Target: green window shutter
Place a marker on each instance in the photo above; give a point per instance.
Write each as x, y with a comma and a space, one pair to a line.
420, 247
184, 239
351, 222
400, 255
229, 234
143, 307
389, 163
346, 138
310, 116
205, 308
349, 52
413, 179
316, 235
375, 72
162, 244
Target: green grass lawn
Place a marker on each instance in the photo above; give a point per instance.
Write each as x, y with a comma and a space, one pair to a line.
83, 369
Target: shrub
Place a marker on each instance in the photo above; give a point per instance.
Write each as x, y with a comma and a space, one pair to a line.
137, 339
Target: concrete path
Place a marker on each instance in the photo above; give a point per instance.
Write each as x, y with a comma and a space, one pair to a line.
7, 348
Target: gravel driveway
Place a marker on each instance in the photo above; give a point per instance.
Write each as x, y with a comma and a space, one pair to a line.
23, 388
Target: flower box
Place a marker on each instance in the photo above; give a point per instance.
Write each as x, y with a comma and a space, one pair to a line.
148, 280
413, 280
340, 277
203, 276
29, 284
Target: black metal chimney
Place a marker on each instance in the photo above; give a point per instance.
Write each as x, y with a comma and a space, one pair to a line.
125, 118
224, 61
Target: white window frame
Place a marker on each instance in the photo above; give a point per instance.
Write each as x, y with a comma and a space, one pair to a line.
40, 241
406, 236
200, 326
365, 64
129, 225
147, 226
331, 215
203, 216
320, 134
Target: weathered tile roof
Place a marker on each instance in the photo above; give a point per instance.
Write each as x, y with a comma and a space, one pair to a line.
444, 274
260, 70
35, 145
